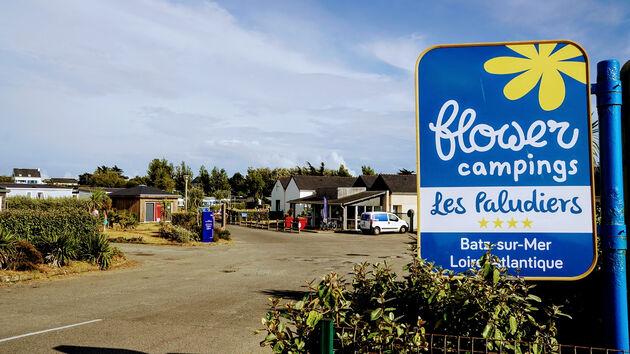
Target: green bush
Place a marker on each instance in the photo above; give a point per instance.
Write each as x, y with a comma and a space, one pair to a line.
381, 312
123, 218
47, 204
31, 225
186, 219
176, 233
238, 205
58, 249
95, 249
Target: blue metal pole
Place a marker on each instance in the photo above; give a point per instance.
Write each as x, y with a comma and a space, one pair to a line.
613, 225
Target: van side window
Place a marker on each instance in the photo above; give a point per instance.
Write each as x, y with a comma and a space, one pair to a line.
393, 217
381, 217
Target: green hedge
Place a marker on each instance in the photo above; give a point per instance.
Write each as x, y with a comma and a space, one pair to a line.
185, 219
31, 225
47, 204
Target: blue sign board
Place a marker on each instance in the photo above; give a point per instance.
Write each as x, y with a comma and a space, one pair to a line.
204, 209
243, 215
504, 157
208, 226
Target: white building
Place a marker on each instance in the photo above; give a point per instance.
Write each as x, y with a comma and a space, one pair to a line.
3, 198
279, 194
303, 186
39, 191
27, 176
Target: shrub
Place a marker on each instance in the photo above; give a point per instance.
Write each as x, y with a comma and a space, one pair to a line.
383, 313
25, 257
124, 218
238, 205
223, 234
22, 203
186, 219
31, 225
58, 249
176, 233
96, 250
7, 247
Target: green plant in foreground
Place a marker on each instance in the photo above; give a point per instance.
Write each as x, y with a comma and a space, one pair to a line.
96, 250
382, 312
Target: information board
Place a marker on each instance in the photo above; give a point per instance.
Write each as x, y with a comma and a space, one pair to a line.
504, 157
208, 226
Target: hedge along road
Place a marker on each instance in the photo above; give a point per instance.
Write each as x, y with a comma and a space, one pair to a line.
182, 299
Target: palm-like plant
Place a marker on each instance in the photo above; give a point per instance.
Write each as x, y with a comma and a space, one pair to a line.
7, 247
99, 200
59, 249
96, 250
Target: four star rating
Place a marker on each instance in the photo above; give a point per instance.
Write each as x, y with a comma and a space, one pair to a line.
509, 224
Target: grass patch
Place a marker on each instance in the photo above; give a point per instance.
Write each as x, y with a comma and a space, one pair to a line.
148, 233
47, 271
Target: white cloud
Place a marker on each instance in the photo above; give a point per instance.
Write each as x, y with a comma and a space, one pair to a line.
400, 52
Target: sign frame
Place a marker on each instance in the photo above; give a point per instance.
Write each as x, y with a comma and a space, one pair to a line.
590, 147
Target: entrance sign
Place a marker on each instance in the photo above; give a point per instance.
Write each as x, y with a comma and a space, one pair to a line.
208, 226
504, 157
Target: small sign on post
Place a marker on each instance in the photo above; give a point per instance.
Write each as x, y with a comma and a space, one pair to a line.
504, 157
208, 226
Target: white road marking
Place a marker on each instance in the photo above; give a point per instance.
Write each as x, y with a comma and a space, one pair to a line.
49, 330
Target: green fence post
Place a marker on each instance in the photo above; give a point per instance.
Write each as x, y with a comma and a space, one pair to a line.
327, 335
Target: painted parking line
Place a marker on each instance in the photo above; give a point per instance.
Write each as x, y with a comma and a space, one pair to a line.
49, 330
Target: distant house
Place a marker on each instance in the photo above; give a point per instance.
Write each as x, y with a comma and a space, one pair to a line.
304, 186
38, 191
279, 194
3, 198
27, 176
70, 182
85, 192
145, 202
402, 192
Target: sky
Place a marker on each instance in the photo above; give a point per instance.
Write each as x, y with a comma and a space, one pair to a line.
238, 84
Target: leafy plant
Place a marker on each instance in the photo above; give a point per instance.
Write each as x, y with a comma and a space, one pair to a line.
96, 249
7, 247
382, 312
223, 234
58, 249
176, 233
123, 218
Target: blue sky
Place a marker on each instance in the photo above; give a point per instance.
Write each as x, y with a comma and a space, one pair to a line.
246, 83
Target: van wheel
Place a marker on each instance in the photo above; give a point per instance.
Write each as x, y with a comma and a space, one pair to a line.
376, 231
403, 229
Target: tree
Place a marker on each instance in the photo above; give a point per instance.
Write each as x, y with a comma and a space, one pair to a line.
254, 183
104, 176
343, 172
367, 171
84, 179
218, 180
136, 181
237, 184
203, 180
404, 171
195, 197
6, 179
160, 175
99, 201
180, 174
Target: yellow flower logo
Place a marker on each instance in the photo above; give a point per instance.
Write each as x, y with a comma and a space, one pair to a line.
539, 65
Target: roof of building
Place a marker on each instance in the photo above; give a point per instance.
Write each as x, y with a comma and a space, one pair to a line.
284, 181
26, 172
396, 183
62, 180
142, 191
365, 181
31, 186
107, 190
314, 182
347, 200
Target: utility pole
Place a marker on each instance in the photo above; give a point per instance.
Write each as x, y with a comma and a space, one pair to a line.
186, 193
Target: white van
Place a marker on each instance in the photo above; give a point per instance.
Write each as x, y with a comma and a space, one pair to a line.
379, 221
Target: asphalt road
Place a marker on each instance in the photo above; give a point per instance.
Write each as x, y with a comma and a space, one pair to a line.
182, 299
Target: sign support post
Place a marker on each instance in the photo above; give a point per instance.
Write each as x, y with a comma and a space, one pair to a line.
613, 227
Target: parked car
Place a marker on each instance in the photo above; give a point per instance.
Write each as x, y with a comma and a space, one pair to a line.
379, 221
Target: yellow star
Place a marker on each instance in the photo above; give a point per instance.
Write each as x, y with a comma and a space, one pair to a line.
498, 223
483, 223
527, 223
512, 223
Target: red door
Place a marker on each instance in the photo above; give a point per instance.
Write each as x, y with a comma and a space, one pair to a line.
158, 211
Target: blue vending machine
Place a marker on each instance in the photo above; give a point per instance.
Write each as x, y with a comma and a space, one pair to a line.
208, 226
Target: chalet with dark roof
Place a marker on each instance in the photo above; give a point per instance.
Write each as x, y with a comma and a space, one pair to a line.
278, 194
27, 176
149, 204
